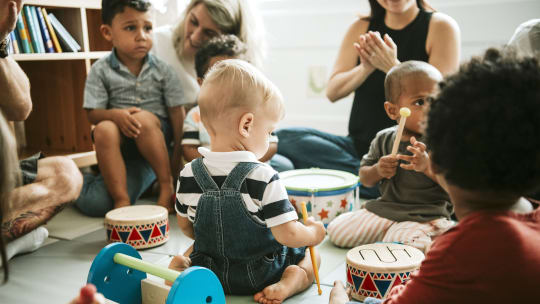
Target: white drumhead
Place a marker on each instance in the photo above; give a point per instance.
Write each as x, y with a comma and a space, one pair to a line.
136, 214
317, 179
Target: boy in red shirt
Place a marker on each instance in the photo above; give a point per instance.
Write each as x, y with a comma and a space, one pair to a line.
482, 133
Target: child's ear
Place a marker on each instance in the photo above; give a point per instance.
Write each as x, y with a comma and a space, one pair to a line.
246, 124
106, 32
391, 110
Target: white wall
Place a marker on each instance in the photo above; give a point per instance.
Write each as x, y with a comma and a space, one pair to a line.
306, 34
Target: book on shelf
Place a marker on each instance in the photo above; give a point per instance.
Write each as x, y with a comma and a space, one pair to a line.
28, 34
11, 49
23, 35
35, 35
37, 29
14, 44
52, 33
44, 31
65, 38
18, 38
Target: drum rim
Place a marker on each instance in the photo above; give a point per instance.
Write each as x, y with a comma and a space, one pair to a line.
387, 267
320, 193
351, 180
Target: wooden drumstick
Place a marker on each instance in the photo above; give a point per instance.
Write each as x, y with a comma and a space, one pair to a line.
312, 252
404, 112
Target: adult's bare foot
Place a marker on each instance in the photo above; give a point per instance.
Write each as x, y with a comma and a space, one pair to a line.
293, 281
166, 198
121, 204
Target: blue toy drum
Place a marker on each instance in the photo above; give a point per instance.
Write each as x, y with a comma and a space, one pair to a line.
327, 193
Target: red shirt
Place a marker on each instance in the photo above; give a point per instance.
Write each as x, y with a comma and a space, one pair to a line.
489, 257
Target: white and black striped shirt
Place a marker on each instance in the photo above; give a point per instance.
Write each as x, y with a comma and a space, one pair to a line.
264, 194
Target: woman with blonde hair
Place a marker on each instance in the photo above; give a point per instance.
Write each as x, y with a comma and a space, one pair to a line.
202, 20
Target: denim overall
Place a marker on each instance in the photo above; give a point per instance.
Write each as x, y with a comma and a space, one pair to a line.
240, 250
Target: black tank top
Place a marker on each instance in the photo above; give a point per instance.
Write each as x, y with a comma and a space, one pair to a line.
368, 115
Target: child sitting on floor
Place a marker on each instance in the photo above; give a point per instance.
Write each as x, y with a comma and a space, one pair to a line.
413, 208
482, 132
195, 135
235, 207
133, 98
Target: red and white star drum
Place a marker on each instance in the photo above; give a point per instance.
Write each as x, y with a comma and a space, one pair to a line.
373, 269
141, 226
327, 193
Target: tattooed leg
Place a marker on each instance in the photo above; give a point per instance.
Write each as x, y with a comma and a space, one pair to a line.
28, 221
58, 182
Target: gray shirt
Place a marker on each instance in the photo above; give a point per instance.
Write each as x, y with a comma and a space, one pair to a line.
110, 85
408, 195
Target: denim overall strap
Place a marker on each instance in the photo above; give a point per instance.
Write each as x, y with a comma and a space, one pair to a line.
235, 179
203, 177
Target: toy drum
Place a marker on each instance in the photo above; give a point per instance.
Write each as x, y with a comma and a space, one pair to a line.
373, 269
142, 226
327, 193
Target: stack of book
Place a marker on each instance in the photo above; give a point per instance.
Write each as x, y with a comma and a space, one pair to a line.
39, 32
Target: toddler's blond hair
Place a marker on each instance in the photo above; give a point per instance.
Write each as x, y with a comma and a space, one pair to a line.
236, 84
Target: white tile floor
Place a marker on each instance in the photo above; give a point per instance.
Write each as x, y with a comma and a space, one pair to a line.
55, 272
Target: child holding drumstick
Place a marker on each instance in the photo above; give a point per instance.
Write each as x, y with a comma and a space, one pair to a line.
235, 207
413, 208
482, 132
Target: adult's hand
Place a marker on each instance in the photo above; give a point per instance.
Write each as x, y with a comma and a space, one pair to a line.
9, 9
360, 47
381, 52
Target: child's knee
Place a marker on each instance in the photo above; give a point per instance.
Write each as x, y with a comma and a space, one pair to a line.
106, 132
149, 122
337, 226
418, 238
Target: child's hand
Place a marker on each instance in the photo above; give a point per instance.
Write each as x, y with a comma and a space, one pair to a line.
88, 295
317, 229
128, 125
179, 263
419, 161
387, 166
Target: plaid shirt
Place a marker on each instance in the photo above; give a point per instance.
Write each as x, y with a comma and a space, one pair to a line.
110, 85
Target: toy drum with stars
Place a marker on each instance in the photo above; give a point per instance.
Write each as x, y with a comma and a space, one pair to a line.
141, 226
328, 193
373, 269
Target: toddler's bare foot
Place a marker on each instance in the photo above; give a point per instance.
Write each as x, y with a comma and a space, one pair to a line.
293, 281
179, 263
121, 204
166, 197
